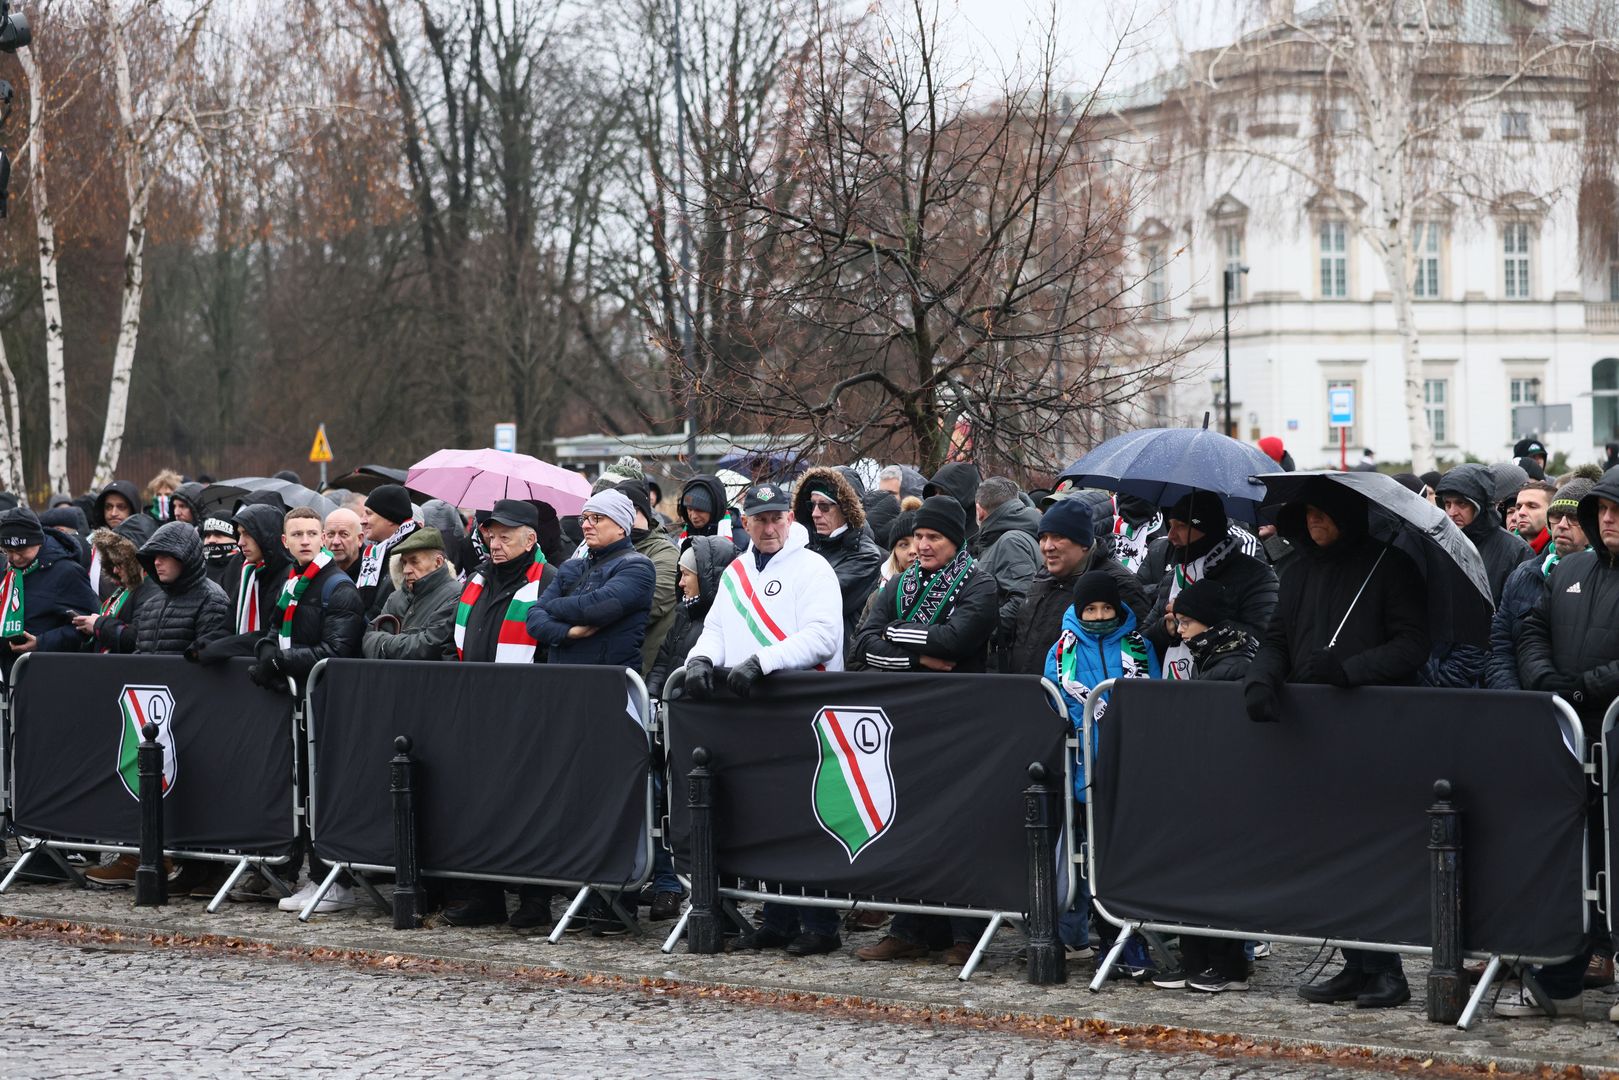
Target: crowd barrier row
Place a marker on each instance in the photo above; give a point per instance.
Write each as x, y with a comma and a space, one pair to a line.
851, 790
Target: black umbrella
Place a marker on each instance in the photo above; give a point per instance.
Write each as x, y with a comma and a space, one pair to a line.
1459, 606
367, 477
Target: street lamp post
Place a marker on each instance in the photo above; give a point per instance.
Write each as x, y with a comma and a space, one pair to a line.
1231, 273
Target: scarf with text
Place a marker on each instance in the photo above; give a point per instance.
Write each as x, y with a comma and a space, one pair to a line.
375, 556
293, 591
514, 644
1132, 663
924, 600
1178, 658
11, 601
1130, 542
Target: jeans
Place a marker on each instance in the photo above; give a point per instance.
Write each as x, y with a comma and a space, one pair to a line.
663, 863
791, 919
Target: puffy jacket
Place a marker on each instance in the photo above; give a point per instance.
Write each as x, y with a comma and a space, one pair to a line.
188, 611
1500, 550
713, 554
116, 633
1122, 653
655, 544
264, 523
1039, 620
1570, 640
1454, 666
959, 480
961, 634
55, 589
329, 623
1249, 582
484, 619
611, 590
426, 614
1007, 551
1522, 593
853, 553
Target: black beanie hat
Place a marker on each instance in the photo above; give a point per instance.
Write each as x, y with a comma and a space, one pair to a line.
390, 501
904, 525
1206, 601
1202, 511
19, 528
943, 515
1096, 586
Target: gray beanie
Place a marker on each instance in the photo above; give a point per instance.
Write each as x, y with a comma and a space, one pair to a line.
614, 505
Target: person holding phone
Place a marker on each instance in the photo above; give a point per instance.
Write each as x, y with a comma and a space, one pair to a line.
43, 588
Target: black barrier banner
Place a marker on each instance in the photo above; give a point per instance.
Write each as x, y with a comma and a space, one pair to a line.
1610, 818
227, 751
524, 770
892, 787
1317, 826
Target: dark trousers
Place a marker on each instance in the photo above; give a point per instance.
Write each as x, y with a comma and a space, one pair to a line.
793, 919
1373, 963
1224, 955
936, 931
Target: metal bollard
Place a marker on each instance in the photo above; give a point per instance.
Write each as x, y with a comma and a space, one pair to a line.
1047, 964
408, 898
1447, 987
151, 881
703, 928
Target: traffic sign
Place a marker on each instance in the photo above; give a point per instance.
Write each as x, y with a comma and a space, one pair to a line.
321, 452
506, 438
1341, 406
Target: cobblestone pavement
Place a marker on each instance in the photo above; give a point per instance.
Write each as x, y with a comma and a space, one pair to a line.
76, 1011
1271, 1011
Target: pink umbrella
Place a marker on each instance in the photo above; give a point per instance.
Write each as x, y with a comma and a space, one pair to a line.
477, 479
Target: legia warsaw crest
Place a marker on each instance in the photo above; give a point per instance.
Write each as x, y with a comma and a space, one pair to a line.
138, 706
854, 783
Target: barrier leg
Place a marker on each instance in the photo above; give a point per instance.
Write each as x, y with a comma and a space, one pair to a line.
151, 882
273, 879
567, 916
1480, 992
978, 950
408, 897
1447, 990
320, 893
376, 897
1105, 968
623, 916
673, 939
16, 868
236, 873
703, 933
1047, 964
73, 873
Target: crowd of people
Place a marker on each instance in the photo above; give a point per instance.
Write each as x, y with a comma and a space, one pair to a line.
948, 574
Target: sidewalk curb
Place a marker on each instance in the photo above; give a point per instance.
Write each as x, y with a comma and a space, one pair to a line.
887, 1008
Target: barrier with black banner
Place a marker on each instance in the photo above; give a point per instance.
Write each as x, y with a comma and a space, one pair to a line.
888, 791
230, 789
1607, 771
1314, 829
526, 773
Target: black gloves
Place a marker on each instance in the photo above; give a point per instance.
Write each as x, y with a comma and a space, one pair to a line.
744, 675
1263, 707
1321, 666
267, 671
699, 684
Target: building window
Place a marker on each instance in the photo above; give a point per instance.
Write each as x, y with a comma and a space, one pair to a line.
1436, 398
1157, 408
1426, 241
1521, 390
1613, 282
1515, 252
1349, 436
1232, 239
1157, 279
1514, 124
1605, 401
1334, 241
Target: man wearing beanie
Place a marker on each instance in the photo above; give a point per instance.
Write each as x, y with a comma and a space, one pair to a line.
219, 546
43, 589
1467, 494
778, 608
419, 615
387, 520
1068, 549
936, 616
1526, 586
596, 609
1202, 544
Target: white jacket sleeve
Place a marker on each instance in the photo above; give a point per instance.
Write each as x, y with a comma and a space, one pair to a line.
819, 637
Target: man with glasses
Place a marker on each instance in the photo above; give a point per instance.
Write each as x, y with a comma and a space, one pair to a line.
1526, 585
828, 503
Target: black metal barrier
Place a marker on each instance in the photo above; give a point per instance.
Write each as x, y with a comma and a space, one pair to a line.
902, 793
229, 790
522, 773
1316, 829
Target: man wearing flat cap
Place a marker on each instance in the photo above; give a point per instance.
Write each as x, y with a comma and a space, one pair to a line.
419, 614
492, 614
43, 589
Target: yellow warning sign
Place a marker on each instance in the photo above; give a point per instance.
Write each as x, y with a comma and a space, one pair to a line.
322, 450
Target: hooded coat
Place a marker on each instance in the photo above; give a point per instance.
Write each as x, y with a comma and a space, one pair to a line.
1384, 638
713, 555
881, 509
264, 524
98, 516
191, 495
1007, 551
55, 589
1500, 550
1570, 640
426, 614
959, 480
853, 553
716, 494
188, 612
115, 632
1523, 592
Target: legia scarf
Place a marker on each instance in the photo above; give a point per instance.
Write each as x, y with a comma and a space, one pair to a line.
293, 591
924, 601
514, 645
1130, 542
375, 556
11, 602
1132, 664
248, 620
1178, 658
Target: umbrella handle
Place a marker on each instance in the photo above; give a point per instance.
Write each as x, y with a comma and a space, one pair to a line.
1356, 600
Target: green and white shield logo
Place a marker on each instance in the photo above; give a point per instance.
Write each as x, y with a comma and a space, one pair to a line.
138, 706
854, 784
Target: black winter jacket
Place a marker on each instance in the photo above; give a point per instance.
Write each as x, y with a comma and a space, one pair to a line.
853, 553
192, 610
1039, 620
716, 494
1249, 582
1500, 550
116, 633
1525, 588
264, 524
329, 623
961, 634
1222, 653
714, 554
54, 590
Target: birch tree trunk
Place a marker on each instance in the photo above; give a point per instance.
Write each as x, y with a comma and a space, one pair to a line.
11, 471
50, 294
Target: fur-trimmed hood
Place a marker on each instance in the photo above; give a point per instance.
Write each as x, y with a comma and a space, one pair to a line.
848, 500
120, 551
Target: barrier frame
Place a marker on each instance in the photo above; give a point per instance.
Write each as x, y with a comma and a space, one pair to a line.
730, 896
1574, 737
609, 891
1599, 767
241, 862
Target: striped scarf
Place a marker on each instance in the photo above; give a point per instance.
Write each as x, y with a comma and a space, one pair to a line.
922, 601
112, 606
11, 600
375, 556
514, 645
247, 599
293, 591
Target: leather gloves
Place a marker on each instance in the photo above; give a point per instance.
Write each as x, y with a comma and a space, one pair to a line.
743, 676
1263, 706
1321, 666
699, 684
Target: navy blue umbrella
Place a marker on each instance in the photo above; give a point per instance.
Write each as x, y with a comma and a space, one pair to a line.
1164, 465
770, 465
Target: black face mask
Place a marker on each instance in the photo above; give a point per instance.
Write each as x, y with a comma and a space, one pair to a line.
218, 554
637, 535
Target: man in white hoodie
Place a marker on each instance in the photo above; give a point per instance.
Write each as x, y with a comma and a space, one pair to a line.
778, 609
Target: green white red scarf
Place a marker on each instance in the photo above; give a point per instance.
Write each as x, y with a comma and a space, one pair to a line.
247, 600
514, 645
293, 591
11, 602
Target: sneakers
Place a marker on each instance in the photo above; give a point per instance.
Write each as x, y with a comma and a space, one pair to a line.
1261, 950
665, 906
1170, 980
253, 890
297, 900
1516, 1002
1212, 982
1613, 1014
1078, 952
338, 898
